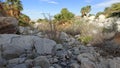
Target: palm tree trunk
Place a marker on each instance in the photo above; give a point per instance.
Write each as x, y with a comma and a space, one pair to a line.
2, 11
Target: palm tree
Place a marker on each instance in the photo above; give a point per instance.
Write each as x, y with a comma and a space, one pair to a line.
14, 7
88, 9
85, 10
2, 11
24, 18
17, 8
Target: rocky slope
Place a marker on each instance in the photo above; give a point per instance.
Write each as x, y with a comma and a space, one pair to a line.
27, 51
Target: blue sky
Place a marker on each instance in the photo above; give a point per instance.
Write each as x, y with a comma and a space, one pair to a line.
35, 8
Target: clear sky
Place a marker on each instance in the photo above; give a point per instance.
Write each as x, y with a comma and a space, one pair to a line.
35, 8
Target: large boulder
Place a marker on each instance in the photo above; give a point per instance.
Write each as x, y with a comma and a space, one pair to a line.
8, 25
12, 46
44, 46
11, 51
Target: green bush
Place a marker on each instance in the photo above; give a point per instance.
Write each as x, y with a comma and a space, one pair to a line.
85, 39
65, 16
21, 23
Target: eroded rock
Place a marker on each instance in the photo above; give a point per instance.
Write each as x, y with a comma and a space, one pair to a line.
8, 25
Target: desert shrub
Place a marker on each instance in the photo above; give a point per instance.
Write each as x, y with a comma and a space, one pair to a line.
48, 27
21, 23
71, 28
89, 32
85, 39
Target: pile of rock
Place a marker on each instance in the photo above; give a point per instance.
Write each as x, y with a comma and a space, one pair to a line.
21, 51
28, 30
30, 50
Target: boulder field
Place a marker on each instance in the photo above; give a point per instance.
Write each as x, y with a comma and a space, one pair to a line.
27, 51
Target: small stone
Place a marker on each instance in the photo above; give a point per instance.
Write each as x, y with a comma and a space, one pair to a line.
58, 47
51, 67
76, 51
86, 55
75, 65
16, 61
29, 62
56, 66
2, 62
53, 60
42, 61
11, 65
44, 46
20, 66
87, 64
36, 67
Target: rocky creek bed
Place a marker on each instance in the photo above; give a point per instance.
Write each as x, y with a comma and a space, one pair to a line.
27, 51
31, 49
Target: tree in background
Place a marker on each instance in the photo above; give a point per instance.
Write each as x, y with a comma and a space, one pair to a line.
85, 10
113, 10
40, 20
107, 11
2, 11
64, 16
91, 14
24, 20
18, 8
13, 8
58, 17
